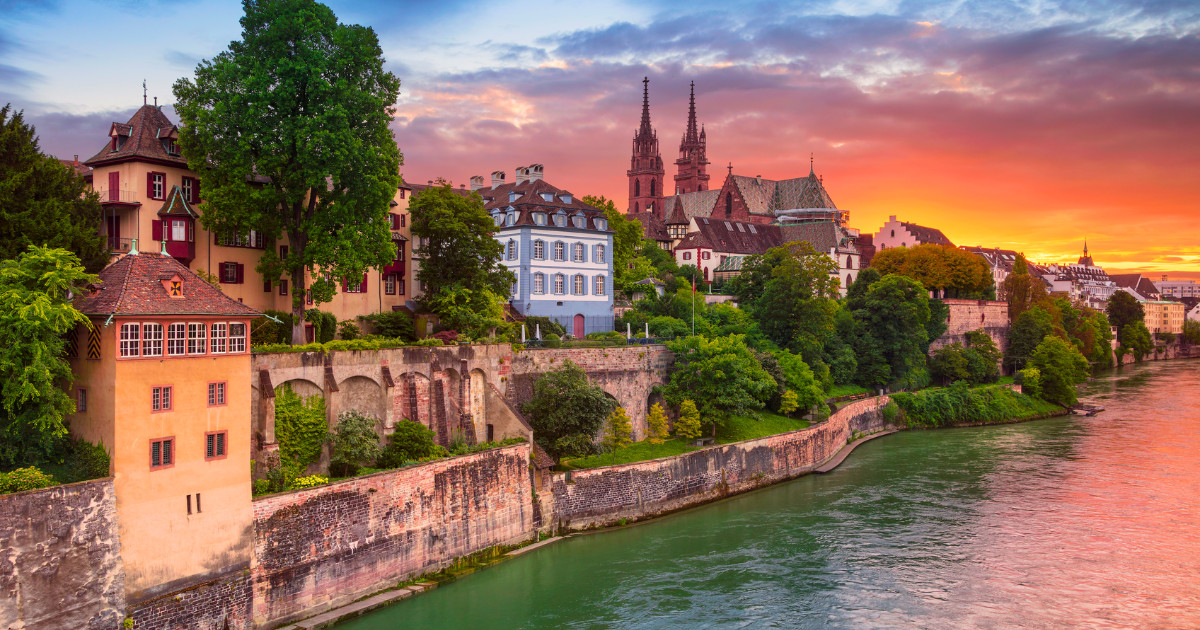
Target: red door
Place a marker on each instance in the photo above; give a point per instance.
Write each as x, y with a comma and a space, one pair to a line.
578, 334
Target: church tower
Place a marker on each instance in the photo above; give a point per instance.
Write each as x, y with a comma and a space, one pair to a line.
646, 166
691, 175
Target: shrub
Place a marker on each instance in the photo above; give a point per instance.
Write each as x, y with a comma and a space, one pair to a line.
960, 404
355, 444
324, 324
788, 402
428, 342
261, 486
393, 325
546, 324
890, 412
1062, 366
348, 330
618, 431
264, 331
656, 425
688, 425
87, 461
1030, 380
410, 442
300, 426
308, 482
23, 479
445, 336
552, 340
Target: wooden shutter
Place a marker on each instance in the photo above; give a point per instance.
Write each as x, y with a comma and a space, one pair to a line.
156, 229
114, 185
241, 273
150, 185
195, 190
221, 272
362, 288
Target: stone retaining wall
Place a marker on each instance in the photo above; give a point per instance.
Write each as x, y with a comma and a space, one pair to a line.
323, 547
60, 558
603, 496
220, 604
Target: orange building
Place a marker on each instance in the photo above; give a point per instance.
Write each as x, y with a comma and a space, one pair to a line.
162, 380
149, 195
1164, 317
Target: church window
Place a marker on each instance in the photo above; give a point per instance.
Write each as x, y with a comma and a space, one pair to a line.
635, 207
728, 203
652, 188
637, 188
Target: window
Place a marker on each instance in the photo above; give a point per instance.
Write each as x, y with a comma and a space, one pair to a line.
893, 233
728, 227
547, 196
566, 198
176, 335
539, 218
498, 219
214, 448
389, 284
707, 256
539, 250
160, 398
580, 285
254, 239
189, 188
599, 255
652, 192
266, 286
231, 272
130, 339
218, 338
283, 287
560, 251
512, 289
559, 284
512, 250
510, 218
179, 231
152, 340
687, 255
156, 185
237, 337
81, 400
560, 220
539, 283
162, 453
728, 203
637, 188
600, 224
598, 283
195, 339
216, 394
577, 252
578, 221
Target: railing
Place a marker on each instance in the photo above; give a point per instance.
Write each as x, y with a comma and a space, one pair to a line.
119, 245
125, 195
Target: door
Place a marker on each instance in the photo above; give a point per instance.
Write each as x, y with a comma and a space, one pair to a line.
114, 232
578, 332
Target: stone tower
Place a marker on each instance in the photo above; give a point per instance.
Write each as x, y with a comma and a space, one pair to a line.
692, 163
646, 166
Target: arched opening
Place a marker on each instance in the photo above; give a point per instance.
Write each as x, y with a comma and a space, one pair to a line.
410, 388
849, 280
637, 188
729, 203
478, 410
652, 188
361, 394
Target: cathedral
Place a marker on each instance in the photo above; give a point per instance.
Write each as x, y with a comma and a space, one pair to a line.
744, 216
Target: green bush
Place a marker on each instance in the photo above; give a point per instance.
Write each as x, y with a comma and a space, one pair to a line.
410, 442
961, 404
324, 324
300, 426
261, 486
349, 330
23, 479
355, 444
393, 325
87, 461
890, 412
264, 331
551, 340
429, 342
1030, 380
547, 326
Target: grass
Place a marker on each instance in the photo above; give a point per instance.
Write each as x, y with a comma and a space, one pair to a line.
837, 391
738, 428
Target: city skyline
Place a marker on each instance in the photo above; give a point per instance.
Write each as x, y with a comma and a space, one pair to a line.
999, 125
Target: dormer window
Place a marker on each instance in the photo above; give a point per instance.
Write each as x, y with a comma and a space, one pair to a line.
600, 224
560, 220
170, 146
539, 218
498, 219
578, 221
512, 196
547, 196
566, 198
510, 218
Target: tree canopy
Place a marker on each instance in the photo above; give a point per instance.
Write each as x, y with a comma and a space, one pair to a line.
1021, 289
43, 202
627, 241
721, 374
35, 316
943, 268
566, 411
890, 331
789, 290
288, 131
1061, 367
1124, 309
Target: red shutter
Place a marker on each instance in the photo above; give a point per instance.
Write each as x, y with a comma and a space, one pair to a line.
114, 185
241, 273
266, 286
191, 230
150, 185
196, 190
156, 230
345, 285
362, 288
221, 272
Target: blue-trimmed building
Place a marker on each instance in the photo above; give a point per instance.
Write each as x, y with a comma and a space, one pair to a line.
559, 248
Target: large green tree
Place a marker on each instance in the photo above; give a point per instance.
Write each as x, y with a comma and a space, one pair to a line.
43, 202
954, 272
1026, 333
1124, 309
1021, 289
460, 265
722, 375
790, 290
288, 130
1062, 367
890, 336
35, 316
566, 411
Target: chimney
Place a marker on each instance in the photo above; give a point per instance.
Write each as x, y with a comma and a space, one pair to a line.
759, 178
76, 159
1164, 277
497, 178
522, 175
534, 172
476, 182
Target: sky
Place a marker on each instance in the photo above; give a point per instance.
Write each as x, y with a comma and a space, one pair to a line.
1025, 124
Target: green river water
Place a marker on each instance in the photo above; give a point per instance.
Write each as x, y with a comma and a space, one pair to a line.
1069, 522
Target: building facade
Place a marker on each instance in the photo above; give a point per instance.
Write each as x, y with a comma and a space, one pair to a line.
1177, 288
150, 197
896, 233
646, 165
1164, 317
162, 381
559, 249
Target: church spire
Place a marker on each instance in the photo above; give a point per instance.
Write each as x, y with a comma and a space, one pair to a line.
691, 134
691, 175
645, 130
645, 165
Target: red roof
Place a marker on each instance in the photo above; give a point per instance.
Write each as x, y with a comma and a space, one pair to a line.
134, 285
143, 137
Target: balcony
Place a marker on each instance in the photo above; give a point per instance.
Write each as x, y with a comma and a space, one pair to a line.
184, 251
119, 245
122, 195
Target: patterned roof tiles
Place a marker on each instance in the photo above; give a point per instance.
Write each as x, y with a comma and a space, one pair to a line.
133, 285
145, 134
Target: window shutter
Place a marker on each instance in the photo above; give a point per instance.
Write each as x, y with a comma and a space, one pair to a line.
345, 285
114, 185
191, 230
220, 444
241, 271
156, 229
150, 185
210, 441
266, 286
221, 272
166, 453
196, 190
362, 288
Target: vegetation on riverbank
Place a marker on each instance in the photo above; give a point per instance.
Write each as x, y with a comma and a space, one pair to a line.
959, 404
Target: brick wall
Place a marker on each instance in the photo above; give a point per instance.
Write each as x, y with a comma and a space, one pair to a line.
60, 558
968, 315
323, 547
219, 604
602, 496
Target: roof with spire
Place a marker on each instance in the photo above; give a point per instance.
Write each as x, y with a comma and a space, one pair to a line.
645, 131
176, 205
693, 136
145, 136
136, 285
767, 196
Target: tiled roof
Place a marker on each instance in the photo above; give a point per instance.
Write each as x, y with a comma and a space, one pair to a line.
653, 227
823, 236
734, 237
530, 196
80, 168
927, 234
756, 192
767, 196
1137, 283
143, 139
693, 204
133, 285
675, 212
177, 206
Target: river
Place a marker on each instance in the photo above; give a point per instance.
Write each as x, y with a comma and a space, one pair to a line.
1066, 522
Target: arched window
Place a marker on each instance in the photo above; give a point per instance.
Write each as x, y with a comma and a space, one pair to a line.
729, 203
635, 207
849, 280
599, 255
560, 252
560, 220
599, 285
893, 233
512, 249
580, 285
539, 250
559, 284
539, 283
637, 188
849, 262
511, 219
577, 252
652, 188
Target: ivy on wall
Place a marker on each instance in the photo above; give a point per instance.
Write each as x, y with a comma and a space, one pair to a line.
300, 425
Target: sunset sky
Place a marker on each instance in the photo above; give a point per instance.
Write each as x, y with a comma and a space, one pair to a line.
1027, 125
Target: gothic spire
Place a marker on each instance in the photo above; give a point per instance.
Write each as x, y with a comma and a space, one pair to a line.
645, 128
691, 135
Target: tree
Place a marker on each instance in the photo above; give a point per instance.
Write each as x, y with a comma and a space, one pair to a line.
722, 373
627, 240
1191, 331
1026, 334
799, 380
354, 442
410, 441
688, 426
35, 316
461, 265
566, 411
793, 299
1135, 338
892, 319
656, 425
947, 364
788, 402
1061, 367
943, 268
618, 431
1021, 289
288, 131
1124, 309
983, 357
43, 202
